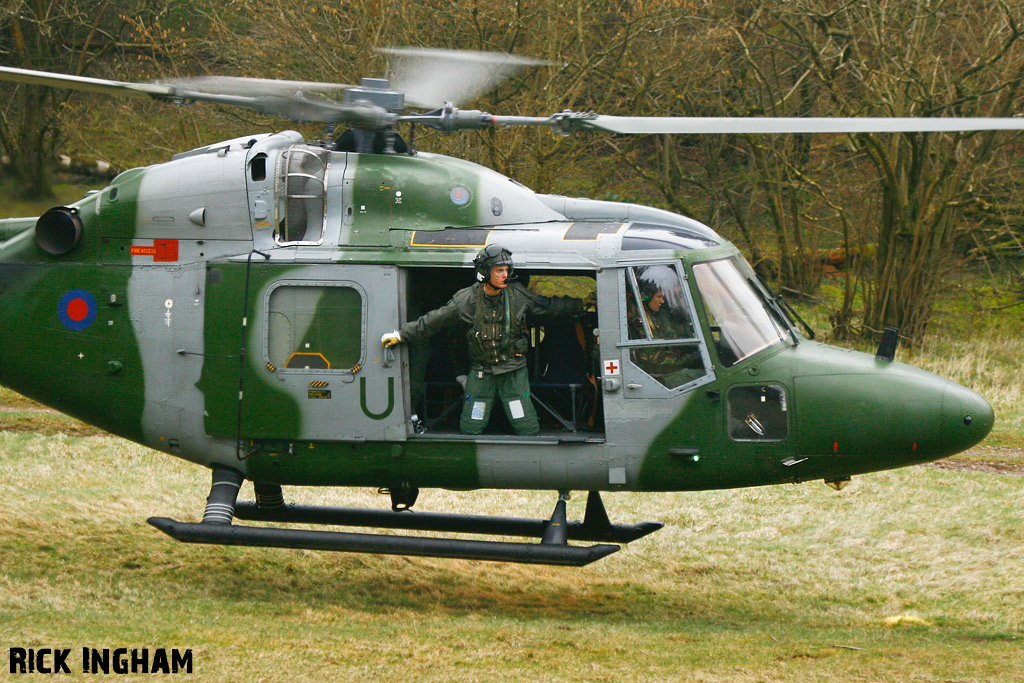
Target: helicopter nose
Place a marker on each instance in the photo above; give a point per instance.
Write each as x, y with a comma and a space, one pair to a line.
868, 415
964, 419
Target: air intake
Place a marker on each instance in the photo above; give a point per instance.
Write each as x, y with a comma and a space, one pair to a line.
59, 231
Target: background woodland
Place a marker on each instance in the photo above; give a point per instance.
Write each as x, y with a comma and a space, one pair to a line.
885, 221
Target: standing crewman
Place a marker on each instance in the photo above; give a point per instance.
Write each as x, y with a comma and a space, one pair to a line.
493, 311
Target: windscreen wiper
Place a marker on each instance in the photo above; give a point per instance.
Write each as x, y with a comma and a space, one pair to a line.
783, 310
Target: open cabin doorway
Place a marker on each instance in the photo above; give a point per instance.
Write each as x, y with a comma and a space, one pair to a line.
562, 359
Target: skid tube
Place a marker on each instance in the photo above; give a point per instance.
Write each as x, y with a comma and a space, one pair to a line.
553, 549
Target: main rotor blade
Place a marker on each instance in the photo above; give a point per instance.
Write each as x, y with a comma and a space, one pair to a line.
253, 87
640, 125
99, 85
429, 77
275, 98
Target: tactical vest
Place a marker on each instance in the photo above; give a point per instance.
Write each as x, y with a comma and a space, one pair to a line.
496, 335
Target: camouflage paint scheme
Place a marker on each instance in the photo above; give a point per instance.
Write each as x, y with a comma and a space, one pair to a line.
179, 261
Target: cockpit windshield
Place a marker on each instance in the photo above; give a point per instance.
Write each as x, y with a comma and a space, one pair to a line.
741, 321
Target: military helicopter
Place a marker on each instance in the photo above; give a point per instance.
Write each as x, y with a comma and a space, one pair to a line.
226, 307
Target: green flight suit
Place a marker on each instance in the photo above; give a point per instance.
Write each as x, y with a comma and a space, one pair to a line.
497, 336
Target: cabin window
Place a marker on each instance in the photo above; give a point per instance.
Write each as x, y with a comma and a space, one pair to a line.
738, 316
659, 325
644, 236
301, 191
758, 413
315, 326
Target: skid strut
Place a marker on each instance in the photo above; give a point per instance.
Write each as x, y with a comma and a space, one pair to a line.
554, 533
220, 504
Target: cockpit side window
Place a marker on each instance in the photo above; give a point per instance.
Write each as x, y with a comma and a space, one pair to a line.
741, 324
301, 192
659, 322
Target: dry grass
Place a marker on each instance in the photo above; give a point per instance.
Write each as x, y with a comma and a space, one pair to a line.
916, 574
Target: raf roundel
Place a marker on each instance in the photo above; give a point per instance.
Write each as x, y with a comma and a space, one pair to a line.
459, 195
77, 310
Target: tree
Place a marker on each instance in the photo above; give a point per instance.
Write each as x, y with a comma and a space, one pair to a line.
734, 60
917, 58
64, 36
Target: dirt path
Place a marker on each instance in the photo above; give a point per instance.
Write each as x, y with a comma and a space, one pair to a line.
985, 459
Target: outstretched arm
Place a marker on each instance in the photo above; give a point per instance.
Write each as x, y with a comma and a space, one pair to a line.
428, 324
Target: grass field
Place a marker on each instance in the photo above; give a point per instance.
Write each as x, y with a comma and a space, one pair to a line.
910, 575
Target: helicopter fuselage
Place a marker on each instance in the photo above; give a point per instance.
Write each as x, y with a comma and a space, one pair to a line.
226, 307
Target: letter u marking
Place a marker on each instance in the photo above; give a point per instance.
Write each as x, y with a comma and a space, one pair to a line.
391, 400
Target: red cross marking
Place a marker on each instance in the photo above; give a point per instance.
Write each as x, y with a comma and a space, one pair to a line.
612, 367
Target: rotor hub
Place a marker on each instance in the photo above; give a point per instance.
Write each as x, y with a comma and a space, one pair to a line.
376, 91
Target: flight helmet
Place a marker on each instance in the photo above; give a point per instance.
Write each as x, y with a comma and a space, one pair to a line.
490, 256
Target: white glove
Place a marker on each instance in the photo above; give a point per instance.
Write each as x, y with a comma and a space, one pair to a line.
389, 339
461, 379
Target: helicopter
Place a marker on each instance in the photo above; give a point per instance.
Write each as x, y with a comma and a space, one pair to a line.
227, 307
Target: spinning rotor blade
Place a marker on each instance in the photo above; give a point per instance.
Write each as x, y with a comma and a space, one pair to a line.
275, 98
84, 83
253, 87
640, 125
429, 77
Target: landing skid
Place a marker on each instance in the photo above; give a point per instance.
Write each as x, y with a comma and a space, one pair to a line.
553, 548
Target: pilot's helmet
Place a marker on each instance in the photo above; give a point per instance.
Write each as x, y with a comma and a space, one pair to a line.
490, 256
654, 279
